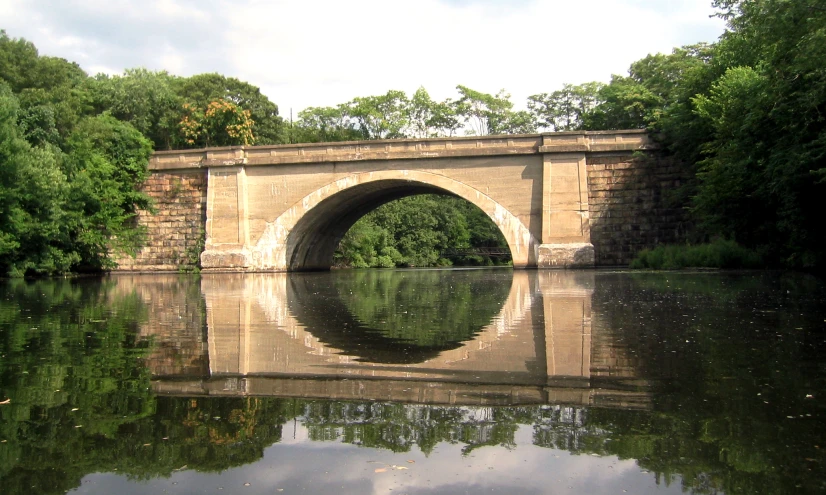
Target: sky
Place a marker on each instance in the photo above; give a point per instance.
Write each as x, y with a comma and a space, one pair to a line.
304, 53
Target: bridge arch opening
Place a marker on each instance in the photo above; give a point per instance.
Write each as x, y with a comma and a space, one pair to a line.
426, 230
313, 227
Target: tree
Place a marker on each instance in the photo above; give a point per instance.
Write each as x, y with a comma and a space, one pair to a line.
222, 123
625, 104
107, 161
147, 100
47, 90
764, 155
23, 68
422, 112
381, 117
202, 89
33, 193
430, 118
484, 113
563, 110
415, 231
445, 120
325, 124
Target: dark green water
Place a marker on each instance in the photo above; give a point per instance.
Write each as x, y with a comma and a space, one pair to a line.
416, 382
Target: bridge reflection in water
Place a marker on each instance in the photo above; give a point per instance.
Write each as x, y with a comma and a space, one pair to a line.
475, 337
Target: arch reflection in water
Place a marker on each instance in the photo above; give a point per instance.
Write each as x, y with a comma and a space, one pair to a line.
398, 317
428, 336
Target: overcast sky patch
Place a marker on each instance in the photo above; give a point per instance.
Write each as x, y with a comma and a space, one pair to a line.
320, 53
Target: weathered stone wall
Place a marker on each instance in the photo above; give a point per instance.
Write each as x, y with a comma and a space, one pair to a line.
633, 205
175, 234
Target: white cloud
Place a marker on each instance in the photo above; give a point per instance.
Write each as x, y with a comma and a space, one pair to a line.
316, 53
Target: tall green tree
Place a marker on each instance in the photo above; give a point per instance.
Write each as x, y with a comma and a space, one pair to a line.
106, 163
563, 110
422, 113
202, 89
221, 123
485, 114
150, 101
48, 90
626, 104
762, 176
325, 124
381, 117
33, 195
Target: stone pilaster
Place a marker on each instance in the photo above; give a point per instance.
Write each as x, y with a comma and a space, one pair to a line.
227, 225
566, 239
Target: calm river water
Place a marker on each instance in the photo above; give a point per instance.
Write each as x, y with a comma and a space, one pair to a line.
414, 382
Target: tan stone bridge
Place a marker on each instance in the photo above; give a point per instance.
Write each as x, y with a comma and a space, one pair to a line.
276, 208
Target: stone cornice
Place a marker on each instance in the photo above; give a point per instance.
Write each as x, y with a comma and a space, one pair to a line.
625, 141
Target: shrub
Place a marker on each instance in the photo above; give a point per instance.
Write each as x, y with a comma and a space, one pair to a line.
717, 254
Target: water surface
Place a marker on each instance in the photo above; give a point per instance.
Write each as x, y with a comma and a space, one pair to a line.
430, 381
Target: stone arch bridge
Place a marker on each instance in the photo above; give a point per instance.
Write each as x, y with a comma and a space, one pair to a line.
569, 199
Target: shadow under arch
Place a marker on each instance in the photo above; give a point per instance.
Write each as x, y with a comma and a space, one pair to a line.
388, 332
305, 237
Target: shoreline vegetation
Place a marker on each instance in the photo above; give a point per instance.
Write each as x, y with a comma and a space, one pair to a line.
717, 254
745, 116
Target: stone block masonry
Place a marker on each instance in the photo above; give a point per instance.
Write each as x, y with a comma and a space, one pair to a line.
633, 204
562, 200
175, 233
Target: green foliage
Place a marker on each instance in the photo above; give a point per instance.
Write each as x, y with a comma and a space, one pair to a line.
66, 209
150, 101
415, 231
368, 245
176, 112
325, 124
564, 109
74, 151
190, 262
430, 118
745, 116
718, 254
394, 115
491, 114
106, 164
201, 90
767, 134
626, 104
33, 192
381, 117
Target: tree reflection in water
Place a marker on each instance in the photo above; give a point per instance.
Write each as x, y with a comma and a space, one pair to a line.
383, 316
